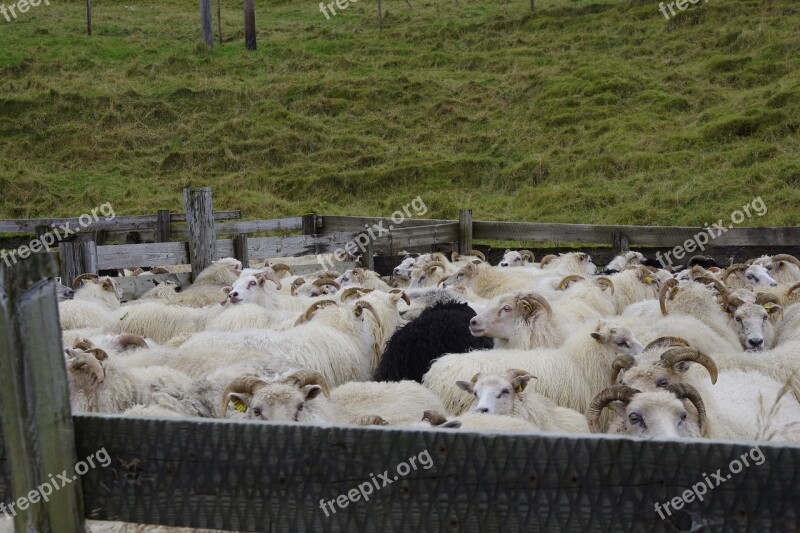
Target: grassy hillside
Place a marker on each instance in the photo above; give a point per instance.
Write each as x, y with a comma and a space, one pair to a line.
592, 111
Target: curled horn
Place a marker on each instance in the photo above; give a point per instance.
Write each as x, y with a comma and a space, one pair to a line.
615, 393
686, 391
546, 259
662, 294
435, 264
513, 373
667, 342
77, 281
283, 267
91, 360
674, 356
477, 253
441, 281
370, 420
540, 300
791, 290
271, 276
348, 292
159, 270
313, 308
304, 377
622, 362
564, 283
321, 282
83, 344
243, 384
434, 418
730, 270
361, 305
402, 294
721, 289
454, 257
138, 271
98, 353
299, 281
763, 298
606, 282
527, 255
786, 257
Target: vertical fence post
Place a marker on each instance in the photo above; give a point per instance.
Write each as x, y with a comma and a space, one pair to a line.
310, 224
380, 15
206, 24
464, 230
219, 20
37, 424
619, 242
77, 258
163, 225
249, 24
240, 249
88, 17
370, 263
202, 236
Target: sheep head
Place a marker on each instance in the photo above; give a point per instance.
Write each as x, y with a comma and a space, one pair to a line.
619, 338
504, 319
275, 400
496, 394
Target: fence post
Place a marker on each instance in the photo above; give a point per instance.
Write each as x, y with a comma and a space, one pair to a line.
37, 424
240, 249
310, 224
202, 235
464, 230
88, 17
619, 242
249, 24
370, 263
380, 15
206, 24
163, 228
77, 257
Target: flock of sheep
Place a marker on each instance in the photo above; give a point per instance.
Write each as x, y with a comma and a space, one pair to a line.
454, 343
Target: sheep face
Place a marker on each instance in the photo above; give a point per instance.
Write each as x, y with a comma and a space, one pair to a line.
495, 395
756, 275
618, 337
624, 259
249, 288
85, 368
465, 274
427, 276
657, 414
504, 320
573, 262
512, 259
403, 270
275, 401
751, 323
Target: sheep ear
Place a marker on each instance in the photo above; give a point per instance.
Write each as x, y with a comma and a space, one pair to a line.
599, 337
452, 424
507, 250
772, 307
520, 382
101, 355
465, 386
227, 290
619, 409
239, 400
311, 391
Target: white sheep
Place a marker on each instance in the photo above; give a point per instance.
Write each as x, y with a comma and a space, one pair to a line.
517, 259
91, 303
206, 289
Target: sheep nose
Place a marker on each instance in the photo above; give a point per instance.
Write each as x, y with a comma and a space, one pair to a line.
234, 294
482, 410
755, 342
396, 270
503, 264
773, 284
473, 322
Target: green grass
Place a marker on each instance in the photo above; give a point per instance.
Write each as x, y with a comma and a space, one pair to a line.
591, 111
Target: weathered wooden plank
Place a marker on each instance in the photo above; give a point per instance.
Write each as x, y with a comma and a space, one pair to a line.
272, 477
77, 258
163, 226
37, 426
265, 247
410, 237
260, 226
199, 218
134, 286
637, 235
464, 230
332, 223
142, 255
118, 223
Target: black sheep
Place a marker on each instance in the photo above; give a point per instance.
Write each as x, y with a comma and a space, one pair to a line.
438, 330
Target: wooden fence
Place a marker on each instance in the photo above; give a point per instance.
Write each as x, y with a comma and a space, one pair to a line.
203, 235
248, 476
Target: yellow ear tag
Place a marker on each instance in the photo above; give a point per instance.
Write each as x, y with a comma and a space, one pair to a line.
769, 305
357, 311
240, 406
563, 286
519, 388
527, 307
648, 280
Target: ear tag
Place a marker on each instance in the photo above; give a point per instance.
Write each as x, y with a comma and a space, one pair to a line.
519, 388
357, 311
648, 280
527, 307
240, 406
769, 305
563, 286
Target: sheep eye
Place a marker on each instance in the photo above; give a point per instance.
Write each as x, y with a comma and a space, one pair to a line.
738, 319
622, 343
683, 417
662, 382
251, 284
749, 276
764, 318
300, 408
634, 418
422, 277
503, 392
256, 412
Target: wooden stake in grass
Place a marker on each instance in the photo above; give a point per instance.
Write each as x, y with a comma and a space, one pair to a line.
206, 23
219, 20
380, 15
249, 25
88, 17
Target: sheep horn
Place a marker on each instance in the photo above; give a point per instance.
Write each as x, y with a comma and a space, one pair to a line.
83, 360
514, 373
662, 294
283, 267
564, 283
615, 393
786, 257
674, 356
441, 281
605, 281
138, 271
667, 342
348, 292
159, 270
77, 281
434, 418
527, 254
271, 276
721, 289
403, 295
82, 344
540, 300
243, 384
454, 257
477, 253
299, 281
730, 270
766, 298
305, 376
359, 310
99, 353
313, 308
325, 281
546, 259
435, 264
686, 391
622, 362
370, 420
792, 289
